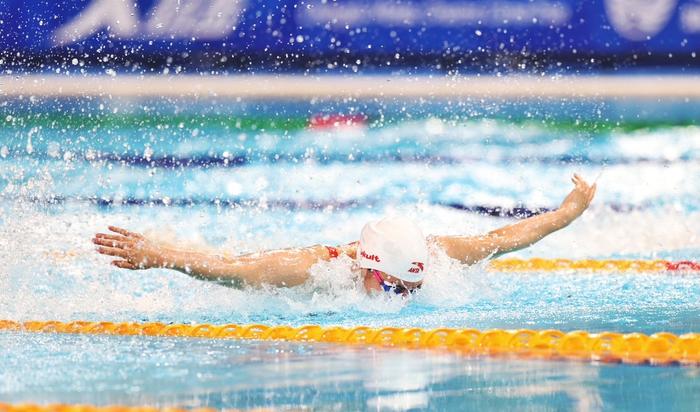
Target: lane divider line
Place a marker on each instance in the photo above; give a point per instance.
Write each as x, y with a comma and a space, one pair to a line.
632, 348
516, 265
518, 212
591, 265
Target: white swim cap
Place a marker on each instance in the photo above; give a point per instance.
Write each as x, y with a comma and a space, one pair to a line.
394, 245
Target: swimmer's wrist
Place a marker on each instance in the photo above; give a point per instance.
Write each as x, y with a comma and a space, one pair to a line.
565, 215
161, 258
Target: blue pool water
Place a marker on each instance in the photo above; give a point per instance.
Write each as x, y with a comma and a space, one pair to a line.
225, 374
172, 170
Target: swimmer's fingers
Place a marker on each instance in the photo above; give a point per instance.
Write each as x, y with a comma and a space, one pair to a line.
578, 180
578, 183
581, 184
124, 264
108, 236
580, 197
113, 251
124, 232
110, 242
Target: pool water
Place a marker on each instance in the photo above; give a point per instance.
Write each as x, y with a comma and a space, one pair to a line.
248, 374
241, 176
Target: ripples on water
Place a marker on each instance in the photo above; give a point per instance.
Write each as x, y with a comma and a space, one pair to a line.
224, 374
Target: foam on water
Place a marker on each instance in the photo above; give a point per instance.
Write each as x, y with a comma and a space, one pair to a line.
469, 183
464, 139
57, 275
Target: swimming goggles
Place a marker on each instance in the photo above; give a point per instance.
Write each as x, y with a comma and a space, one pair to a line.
388, 287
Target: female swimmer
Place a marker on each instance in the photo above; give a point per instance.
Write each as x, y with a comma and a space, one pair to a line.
391, 254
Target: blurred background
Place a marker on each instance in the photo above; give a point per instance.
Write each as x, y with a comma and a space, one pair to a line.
347, 36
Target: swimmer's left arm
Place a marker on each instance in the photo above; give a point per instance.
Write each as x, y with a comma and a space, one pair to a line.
471, 249
284, 267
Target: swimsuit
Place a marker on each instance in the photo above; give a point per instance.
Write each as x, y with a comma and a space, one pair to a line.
333, 252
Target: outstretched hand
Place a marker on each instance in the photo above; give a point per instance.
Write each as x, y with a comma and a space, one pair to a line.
133, 250
579, 199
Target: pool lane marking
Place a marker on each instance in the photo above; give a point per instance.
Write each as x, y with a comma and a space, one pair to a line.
516, 265
594, 265
237, 160
518, 212
632, 348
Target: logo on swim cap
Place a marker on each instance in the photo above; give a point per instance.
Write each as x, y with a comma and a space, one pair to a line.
401, 245
418, 267
370, 257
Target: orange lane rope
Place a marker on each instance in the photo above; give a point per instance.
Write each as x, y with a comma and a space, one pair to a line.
635, 348
610, 265
59, 407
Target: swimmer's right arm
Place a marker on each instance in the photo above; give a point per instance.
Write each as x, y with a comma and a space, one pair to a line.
285, 267
471, 249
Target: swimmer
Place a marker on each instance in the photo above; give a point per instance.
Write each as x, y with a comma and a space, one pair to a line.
390, 256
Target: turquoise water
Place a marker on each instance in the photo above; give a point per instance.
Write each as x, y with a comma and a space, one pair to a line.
225, 374
245, 176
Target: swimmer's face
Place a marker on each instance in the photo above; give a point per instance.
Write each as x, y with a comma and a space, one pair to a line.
391, 280
396, 281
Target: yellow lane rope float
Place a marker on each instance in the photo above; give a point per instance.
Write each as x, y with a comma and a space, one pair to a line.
552, 265
610, 265
59, 407
634, 348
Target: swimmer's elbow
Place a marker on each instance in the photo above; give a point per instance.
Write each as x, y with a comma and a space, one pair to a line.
469, 249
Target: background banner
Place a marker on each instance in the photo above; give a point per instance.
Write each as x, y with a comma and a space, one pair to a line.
324, 28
